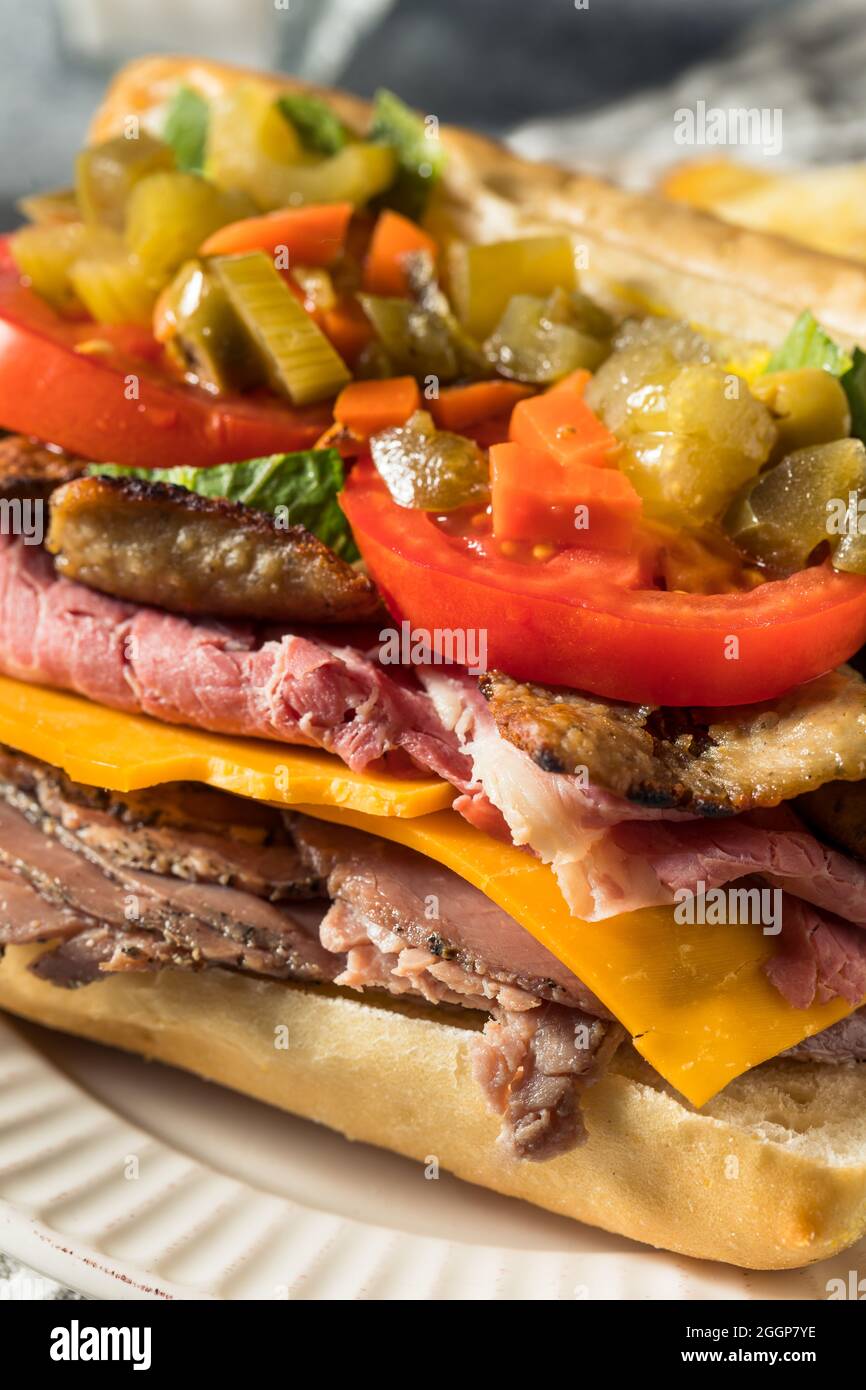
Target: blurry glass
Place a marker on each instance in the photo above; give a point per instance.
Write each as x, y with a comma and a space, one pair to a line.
106, 32
313, 38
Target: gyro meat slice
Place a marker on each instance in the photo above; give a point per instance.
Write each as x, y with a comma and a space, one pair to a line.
158, 544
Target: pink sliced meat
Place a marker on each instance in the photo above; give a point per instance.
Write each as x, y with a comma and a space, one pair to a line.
533, 1067
716, 853
819, 957
226, 678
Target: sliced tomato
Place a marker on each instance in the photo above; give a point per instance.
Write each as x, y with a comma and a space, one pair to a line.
103, 393
569, 622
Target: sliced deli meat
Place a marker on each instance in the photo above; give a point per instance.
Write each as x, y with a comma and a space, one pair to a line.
353, 910
533, 1067
226, 678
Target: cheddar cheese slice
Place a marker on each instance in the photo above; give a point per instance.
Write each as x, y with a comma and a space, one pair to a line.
127, 752
694, 998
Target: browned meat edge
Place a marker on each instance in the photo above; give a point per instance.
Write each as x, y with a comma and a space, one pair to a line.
161, 545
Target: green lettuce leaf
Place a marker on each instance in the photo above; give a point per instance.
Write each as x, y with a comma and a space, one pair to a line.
185, 129
306, 483
420, 159
807, 345
319, 129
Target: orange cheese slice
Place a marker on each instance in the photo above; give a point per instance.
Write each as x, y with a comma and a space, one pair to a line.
127, 752
694, 998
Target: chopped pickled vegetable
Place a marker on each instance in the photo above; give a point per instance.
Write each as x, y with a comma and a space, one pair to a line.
169, 215
416, 342
418, 155
56, 205
296, 356
354, 175
850, 553
543, 340
423, 285
369, 407
253, 147
314, 235
715, 436
808, 405
372, 362
394, 239
630, 389
693, 432
46, 254
203, 334
483, 278
114, 288
247, 138
185, 129
429, 469
317, 126
106, 174
799, 504
317, 287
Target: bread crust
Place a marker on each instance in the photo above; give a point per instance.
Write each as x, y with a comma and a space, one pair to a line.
649, 251
768, 1176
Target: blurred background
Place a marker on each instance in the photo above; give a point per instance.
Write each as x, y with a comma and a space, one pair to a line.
593, 82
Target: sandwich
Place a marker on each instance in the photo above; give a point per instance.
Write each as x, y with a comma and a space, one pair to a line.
432, 602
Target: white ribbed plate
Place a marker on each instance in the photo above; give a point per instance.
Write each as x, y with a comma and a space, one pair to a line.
233, 1200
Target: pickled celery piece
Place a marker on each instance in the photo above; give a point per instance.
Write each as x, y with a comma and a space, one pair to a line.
203, 334
417, 342
169, 215
297, 357
55, 205
46, 255
429, 469
114, 288
542, 340
808, 405
105, 175
483, 278
795, 506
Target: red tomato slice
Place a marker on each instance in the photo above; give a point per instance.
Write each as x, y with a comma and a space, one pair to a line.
118, 404
567, 622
